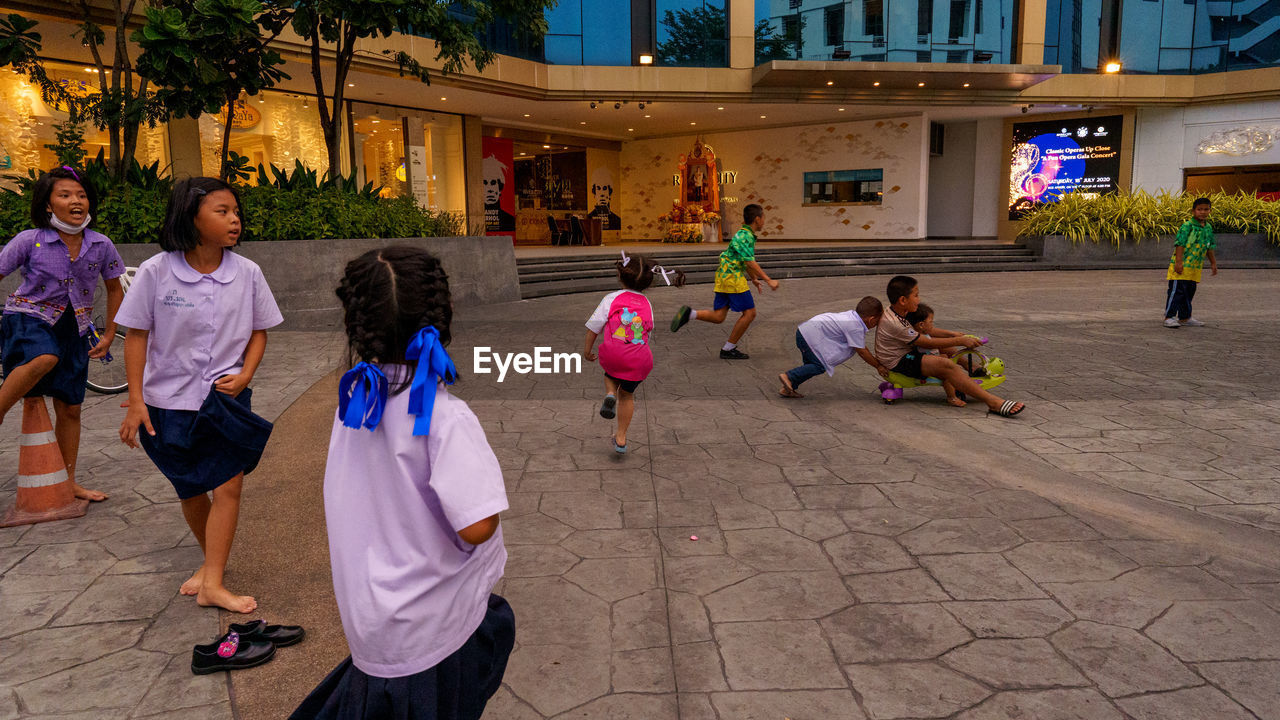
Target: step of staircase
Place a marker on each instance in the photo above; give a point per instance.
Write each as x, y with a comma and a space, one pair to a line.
569, 273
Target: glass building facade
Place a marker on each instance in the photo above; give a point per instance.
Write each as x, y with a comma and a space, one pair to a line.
1169, 37
925, 31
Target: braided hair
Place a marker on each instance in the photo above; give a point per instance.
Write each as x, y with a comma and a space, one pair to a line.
387, 296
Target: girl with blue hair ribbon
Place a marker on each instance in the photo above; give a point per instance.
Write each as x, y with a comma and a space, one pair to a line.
412, 493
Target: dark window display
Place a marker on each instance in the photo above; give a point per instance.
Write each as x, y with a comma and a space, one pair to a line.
865, 187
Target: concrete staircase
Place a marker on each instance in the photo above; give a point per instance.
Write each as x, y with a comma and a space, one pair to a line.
576, 271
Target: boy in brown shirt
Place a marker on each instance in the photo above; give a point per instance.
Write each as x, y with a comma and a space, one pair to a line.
897, 343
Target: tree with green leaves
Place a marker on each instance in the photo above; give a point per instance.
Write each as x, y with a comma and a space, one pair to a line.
202, 54
693, 34
335, 29
123, 102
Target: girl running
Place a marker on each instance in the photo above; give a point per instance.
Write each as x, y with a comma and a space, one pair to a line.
626, 319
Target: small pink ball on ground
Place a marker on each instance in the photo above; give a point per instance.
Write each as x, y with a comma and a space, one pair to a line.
693, 537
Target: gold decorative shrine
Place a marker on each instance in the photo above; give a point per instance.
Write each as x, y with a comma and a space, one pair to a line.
695, 217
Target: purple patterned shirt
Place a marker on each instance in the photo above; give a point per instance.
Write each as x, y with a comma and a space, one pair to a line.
51, 280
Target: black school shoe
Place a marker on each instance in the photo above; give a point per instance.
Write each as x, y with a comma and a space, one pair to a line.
734, 354
278, 635
230, 652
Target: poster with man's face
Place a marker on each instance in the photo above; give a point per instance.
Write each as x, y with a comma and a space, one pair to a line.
602, 189
498, 186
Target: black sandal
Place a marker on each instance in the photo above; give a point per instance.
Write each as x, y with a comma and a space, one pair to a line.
1008, 409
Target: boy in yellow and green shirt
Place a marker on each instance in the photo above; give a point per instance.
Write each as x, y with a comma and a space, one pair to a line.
737, 266
1193, 244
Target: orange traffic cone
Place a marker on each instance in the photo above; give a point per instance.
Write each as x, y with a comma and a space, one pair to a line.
44, 490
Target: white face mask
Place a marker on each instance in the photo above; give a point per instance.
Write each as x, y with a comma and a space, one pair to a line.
66, 227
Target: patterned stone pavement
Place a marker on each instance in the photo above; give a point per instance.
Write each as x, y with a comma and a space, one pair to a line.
1109, 554
91, 623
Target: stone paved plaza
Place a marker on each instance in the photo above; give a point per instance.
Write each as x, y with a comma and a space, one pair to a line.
1110, 553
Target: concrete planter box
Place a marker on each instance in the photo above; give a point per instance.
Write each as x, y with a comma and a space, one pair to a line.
304, 273
1233, 251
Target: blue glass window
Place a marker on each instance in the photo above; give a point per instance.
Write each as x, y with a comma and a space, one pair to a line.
594, 32
939, 31
692, 33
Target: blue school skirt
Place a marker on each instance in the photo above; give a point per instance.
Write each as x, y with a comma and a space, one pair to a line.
200, 450
456, 688
23, 338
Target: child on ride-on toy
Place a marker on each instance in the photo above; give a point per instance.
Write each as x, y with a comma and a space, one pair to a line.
921, 320
899, 346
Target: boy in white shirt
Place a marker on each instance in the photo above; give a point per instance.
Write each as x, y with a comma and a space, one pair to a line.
829, 339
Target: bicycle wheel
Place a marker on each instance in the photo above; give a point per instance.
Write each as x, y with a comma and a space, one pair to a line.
108, 378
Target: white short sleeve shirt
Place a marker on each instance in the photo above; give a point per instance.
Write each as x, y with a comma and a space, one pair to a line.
199, 324
833, 337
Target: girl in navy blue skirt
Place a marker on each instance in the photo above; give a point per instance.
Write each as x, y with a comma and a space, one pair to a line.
198, 315
47, 337
412, 493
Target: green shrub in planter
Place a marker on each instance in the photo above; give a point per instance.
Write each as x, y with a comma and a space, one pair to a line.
132, 212
1118, 217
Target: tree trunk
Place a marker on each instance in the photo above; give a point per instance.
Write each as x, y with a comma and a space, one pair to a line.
224, 171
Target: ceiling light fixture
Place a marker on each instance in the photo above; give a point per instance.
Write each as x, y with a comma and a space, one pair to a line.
919, 84
876, 84
830, 83
351, 84
762, 117
646, 59
966, 84
839, 109
1112, 67
720, 108
526, 114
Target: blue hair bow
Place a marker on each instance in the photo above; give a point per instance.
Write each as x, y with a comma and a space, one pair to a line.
362, 396
433, 363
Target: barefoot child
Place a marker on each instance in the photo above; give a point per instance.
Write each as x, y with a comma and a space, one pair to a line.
830, 339
412, 493
899, 346
46, 329
198, 315
737, 266
921, 320
626, 319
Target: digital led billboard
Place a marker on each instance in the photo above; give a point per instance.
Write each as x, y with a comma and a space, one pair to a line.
1054, 157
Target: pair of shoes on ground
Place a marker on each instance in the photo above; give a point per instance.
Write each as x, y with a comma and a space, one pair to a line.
1189, 322
682, 318
245, 645
608, 411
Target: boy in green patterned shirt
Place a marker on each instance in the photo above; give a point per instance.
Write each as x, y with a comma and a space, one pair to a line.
737, 266
1194, 243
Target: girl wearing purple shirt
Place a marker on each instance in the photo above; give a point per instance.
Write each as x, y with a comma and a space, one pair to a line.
45, 338
412, 493
198, 315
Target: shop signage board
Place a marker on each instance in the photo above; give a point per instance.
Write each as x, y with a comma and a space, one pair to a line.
498, 186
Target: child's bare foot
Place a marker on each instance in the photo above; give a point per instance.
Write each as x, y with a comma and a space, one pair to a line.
225, 599
87, 494
956, 401
787, 390
193, 583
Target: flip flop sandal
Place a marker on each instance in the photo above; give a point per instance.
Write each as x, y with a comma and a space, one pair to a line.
787, 391
278, 635
1007, 409
229, 652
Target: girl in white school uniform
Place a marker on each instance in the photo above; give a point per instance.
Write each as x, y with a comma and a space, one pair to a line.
198, 315
412, 493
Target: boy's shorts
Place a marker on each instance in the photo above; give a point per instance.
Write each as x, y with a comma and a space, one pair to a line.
737, 302
909, 365
24, 338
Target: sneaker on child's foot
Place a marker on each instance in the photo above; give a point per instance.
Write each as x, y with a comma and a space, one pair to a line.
1192, 322
734, 354
1172, 323
607, 407
681, 319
